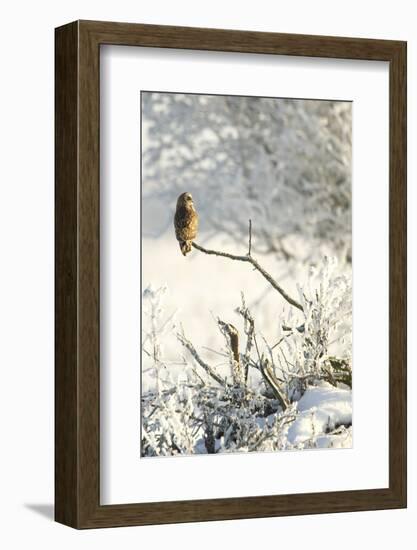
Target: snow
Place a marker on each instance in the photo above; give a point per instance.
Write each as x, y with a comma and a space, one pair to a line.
201, 288
320, 415
285, 165
322, 409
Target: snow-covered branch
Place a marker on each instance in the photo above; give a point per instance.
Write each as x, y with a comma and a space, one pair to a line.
189, 346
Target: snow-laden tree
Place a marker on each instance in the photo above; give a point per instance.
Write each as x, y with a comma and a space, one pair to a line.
284, 163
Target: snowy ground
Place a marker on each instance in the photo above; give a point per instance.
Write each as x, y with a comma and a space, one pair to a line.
322, 410
200, 289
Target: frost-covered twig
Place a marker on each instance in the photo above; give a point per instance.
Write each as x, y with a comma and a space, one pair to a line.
189, 346
250, 332
231, 335
288, 418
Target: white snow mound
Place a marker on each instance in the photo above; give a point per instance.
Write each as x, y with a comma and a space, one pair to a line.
322, 409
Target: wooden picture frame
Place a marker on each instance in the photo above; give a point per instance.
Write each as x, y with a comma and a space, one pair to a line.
77, 373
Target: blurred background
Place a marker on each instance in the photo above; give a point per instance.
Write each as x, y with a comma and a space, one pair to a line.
283, 163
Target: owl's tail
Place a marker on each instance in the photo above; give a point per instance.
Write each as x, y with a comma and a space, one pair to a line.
185, 247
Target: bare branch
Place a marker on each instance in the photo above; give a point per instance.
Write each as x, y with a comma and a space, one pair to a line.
281, 340
211, 350
249, 259
271, 380
232, 339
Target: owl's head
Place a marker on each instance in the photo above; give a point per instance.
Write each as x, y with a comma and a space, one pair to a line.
185, 199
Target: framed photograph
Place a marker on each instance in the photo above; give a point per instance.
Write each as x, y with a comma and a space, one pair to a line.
230, 274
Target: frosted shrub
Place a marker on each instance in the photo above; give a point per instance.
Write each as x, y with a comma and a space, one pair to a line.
197, 410
159, 327
319, 345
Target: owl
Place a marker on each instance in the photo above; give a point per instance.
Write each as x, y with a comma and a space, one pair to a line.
185, 222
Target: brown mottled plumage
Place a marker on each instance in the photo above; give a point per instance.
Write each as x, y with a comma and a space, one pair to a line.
185, 222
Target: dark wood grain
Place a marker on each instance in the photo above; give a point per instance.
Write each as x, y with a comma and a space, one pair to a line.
66, 238
398, 273
78, 285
